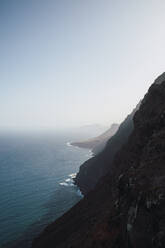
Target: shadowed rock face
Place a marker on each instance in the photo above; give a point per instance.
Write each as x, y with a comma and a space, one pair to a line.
93, 169
160, 79
127, 207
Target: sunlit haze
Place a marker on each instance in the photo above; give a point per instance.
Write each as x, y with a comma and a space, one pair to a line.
67, 63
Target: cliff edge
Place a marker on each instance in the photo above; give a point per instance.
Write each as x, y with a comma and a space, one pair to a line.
98, 166
126, 209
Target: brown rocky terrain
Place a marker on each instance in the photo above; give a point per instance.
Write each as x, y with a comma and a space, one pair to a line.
126, 209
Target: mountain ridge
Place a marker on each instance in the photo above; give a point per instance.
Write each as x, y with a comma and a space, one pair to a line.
97, 143
126, 209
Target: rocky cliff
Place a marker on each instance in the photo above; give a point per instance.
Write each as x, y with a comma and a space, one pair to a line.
93, 169
97, 144
126, 209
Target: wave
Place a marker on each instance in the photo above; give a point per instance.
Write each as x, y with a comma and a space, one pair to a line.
73, 175
68, 144
68, 182
90, 154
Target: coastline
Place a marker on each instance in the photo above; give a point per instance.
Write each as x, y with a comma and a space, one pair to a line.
90, 154
66, 184
76, 144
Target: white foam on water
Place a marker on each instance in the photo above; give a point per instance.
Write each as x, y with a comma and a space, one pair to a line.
67, 184
73, 175
91, 153
80, 193
68, 144
68, 180
64, 184
70, 183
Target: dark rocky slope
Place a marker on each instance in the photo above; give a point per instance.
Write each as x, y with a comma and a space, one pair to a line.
93, 169
97, 144
127, 207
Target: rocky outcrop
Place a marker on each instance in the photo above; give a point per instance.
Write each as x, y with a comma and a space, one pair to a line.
93, 169
127, 207
97, 144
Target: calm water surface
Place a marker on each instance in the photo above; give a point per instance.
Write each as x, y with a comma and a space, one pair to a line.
36, 187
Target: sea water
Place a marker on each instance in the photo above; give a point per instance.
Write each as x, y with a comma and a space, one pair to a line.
36, 183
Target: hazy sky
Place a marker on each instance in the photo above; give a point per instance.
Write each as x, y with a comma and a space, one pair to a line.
75, 62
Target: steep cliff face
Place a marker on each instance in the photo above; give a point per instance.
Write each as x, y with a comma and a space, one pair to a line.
139, 167
127, 207
106, 136
93, 169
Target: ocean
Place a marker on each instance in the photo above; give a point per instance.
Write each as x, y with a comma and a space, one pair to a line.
36, 182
